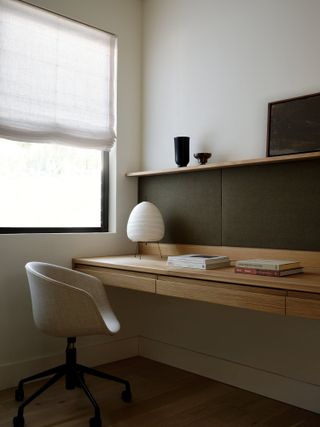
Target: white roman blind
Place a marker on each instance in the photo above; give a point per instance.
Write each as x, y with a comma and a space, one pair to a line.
57, 79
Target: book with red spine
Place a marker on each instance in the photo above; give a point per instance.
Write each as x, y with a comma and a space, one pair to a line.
271, 273
268, 264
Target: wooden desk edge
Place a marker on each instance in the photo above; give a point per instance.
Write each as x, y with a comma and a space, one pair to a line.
297, 295
305, 282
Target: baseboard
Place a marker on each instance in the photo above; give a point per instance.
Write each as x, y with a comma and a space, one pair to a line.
91, 355
269, 384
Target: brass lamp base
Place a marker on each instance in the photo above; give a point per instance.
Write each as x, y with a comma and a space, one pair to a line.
138, 253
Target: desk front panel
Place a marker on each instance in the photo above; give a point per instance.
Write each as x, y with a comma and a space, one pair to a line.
250, 297
303, 304
295, 296
144, 282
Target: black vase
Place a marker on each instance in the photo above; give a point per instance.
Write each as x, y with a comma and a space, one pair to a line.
181, 150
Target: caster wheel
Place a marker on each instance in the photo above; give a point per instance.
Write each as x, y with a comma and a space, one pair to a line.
18, 422
95, 422
19, 395
126, 396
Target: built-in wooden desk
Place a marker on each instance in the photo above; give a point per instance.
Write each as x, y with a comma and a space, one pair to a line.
297, 295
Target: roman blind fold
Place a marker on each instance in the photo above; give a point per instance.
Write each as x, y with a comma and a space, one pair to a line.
57, 79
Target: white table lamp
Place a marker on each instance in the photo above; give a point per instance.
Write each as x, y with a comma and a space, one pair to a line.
145, 223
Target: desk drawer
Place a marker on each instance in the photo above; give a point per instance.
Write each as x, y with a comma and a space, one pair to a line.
303, 304
250, 297
122, 278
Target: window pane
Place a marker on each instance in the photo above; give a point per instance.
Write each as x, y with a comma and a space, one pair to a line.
46, 185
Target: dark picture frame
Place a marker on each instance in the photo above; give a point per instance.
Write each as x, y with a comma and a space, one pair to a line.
294, 125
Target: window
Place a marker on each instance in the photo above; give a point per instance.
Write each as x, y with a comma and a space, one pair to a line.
51, 186
57, 121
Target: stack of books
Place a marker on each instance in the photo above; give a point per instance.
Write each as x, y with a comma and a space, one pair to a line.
202, 262
268, 267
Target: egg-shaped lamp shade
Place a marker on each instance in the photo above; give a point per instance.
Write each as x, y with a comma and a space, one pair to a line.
145, 223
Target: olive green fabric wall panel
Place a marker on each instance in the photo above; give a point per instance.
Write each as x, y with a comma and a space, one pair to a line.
268, 206
190, 204
272, 206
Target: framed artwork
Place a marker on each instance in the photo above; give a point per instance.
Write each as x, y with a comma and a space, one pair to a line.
294, 125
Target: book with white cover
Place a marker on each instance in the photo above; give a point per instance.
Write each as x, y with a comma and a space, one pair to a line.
268, 264
182, 264
198, 259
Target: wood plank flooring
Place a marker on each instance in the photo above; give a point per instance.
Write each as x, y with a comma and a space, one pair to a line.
163, 397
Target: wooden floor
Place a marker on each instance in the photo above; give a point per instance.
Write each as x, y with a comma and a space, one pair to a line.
163, 397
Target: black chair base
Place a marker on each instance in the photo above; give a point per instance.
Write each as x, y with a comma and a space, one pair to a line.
74, 377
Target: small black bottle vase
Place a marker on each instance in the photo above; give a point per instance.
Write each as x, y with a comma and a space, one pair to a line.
181, 150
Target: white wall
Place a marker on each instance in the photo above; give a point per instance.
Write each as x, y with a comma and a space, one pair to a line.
20, 342
210, 68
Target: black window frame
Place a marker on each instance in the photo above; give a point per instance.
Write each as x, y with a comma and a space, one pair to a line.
104, 211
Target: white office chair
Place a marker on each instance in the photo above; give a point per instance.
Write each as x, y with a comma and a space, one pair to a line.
67, 303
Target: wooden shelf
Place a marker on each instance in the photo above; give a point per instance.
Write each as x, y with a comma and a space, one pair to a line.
223, 165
